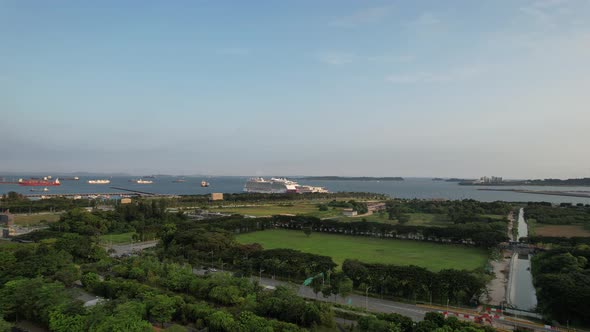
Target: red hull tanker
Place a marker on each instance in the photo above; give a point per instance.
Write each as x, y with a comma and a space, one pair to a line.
38, 183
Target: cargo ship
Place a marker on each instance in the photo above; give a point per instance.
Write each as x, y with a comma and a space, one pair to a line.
45, 182
99, 181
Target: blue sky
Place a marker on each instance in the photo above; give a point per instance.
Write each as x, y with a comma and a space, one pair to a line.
409, 88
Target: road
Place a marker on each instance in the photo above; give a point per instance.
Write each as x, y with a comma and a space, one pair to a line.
130, 248
376, 305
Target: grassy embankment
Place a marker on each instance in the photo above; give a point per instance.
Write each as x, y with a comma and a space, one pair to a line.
117, 238
35, 219
432, 256
311, 209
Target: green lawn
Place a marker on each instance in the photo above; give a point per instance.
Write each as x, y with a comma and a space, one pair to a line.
308, 209
117, 238
372, 250
35, 219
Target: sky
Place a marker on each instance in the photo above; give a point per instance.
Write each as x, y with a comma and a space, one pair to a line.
374, 88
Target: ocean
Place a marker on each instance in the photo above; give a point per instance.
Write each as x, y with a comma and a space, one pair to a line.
423, 188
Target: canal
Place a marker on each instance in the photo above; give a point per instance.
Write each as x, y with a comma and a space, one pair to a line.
521, 292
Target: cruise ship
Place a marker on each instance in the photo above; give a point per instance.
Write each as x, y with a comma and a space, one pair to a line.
279, 186
99, 181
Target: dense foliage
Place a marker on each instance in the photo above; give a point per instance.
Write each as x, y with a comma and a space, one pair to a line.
433, 322
416, 283
18, 203
143, 217
562, 279
566, 214
259, 197
457, 211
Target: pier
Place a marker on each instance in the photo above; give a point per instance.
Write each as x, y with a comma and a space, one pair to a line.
85, 195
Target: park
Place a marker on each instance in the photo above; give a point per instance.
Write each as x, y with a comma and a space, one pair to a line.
432, 256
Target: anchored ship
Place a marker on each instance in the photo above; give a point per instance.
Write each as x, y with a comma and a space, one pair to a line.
279, 186
99, 181
44, 189
142, 181
45, 182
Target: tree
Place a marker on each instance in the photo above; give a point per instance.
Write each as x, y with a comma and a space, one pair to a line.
126, 317
307, 230
221, 321
403, 218
60, 322
176, 328
345, 287
162, 308
90, 280
4, 325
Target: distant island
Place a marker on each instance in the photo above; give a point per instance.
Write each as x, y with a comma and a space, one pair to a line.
353, 178
536, 182
459, 180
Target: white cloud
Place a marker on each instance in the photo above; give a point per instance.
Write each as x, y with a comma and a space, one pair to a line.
363, 16
454, 75
336, 58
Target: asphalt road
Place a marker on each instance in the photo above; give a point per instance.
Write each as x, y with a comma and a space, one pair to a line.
128, 249
375, 305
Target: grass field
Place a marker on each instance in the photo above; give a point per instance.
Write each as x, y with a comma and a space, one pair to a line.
372, 250
416, 219
35, 219
308, 209
117, 238
560, 230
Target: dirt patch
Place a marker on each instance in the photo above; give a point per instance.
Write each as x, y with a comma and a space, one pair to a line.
497, 286
561, 230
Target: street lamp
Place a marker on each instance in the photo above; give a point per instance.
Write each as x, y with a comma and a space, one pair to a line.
367, 298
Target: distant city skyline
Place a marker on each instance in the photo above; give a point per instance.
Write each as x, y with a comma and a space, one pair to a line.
373, 88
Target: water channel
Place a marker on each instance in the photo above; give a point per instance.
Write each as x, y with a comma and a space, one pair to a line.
521, 292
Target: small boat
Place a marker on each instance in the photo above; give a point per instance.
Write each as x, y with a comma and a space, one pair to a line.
204, 183
41, 190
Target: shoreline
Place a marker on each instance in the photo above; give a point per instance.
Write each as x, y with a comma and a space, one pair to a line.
543, 192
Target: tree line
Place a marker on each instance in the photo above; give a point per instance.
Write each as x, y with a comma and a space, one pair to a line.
416, 283
479, 234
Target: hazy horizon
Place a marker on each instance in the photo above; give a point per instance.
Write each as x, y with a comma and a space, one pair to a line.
348, 88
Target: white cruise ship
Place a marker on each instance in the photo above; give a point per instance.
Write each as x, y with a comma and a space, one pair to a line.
99, 181
279, 186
